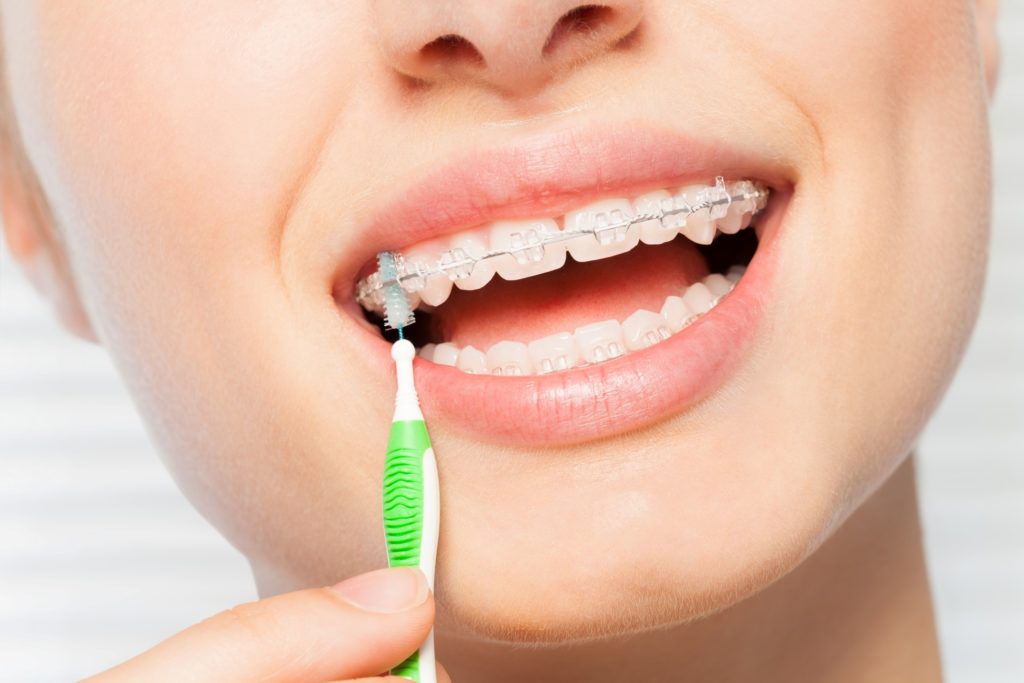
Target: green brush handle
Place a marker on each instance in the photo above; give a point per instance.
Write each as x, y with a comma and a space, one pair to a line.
411, 517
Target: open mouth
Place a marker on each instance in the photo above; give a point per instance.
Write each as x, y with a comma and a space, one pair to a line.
572, 282
547, 295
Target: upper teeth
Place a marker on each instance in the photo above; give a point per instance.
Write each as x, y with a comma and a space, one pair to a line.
519, 249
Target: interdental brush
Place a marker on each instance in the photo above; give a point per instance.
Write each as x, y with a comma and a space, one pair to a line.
411, 492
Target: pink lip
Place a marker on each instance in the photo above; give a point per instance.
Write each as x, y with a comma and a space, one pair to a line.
546, 177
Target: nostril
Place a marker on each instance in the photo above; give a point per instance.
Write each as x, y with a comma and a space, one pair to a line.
585, 21
450, 50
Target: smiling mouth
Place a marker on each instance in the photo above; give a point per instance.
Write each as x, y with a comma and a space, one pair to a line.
544, 295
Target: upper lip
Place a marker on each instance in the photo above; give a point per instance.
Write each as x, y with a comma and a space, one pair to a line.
547, 175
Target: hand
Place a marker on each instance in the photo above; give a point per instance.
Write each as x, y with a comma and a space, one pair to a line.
352, 631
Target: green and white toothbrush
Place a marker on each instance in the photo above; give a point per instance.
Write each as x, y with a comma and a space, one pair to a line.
412, 501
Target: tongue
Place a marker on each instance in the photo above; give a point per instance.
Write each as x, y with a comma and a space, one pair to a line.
574, 295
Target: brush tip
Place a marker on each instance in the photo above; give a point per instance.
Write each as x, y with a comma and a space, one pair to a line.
397, 311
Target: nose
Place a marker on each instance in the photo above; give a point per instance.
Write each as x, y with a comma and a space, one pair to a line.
512, 46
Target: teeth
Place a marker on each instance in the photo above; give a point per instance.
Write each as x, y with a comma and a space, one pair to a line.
740, 210
508, 358
718, 285
434, 288
742, 206
609, 219
519, 249
735, 273
529, 257
719, 198
427, 352
370, 294
698, 298
600, 341
456, 263
472, 361
557, 352
643, 329
445, 354
676, 313
656, 230
699, 228
733, 222
468, 243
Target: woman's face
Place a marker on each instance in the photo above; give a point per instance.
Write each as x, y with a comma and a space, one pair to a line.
219, 175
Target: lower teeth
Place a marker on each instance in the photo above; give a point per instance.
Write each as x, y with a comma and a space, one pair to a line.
590, 344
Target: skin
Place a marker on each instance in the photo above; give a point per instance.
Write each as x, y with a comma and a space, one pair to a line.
173, 175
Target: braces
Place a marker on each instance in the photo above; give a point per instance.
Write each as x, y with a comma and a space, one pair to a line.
528, 246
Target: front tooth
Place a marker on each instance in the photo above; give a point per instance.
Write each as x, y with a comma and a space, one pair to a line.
471, 360
427, 352
556, 352
524, 239
609, 219
718, 285
468, 244
508, 358
600, 341
445, 354
644, 328
698, 298
657, 230
676, 313
699, 227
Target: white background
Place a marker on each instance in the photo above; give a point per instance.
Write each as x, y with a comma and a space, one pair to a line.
100, 556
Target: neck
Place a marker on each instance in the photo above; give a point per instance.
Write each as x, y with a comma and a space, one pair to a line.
858, 609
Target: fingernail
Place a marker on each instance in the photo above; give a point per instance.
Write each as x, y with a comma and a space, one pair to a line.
385, 590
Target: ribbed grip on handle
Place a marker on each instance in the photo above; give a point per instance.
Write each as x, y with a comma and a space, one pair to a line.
404, 509
403, 492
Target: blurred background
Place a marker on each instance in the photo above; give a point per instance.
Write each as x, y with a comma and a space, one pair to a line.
101, 557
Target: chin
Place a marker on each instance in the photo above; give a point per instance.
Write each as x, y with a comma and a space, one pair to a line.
594, 558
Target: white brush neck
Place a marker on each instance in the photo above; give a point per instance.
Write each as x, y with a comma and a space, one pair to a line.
407, 403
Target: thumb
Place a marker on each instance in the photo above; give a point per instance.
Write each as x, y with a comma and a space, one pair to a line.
359, 627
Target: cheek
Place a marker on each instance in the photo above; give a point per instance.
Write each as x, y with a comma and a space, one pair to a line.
174, 139
883, 264
169, 123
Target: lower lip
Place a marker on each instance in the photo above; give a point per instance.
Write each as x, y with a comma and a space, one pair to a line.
620, 395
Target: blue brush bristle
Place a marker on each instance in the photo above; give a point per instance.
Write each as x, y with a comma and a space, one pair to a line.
397, 312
